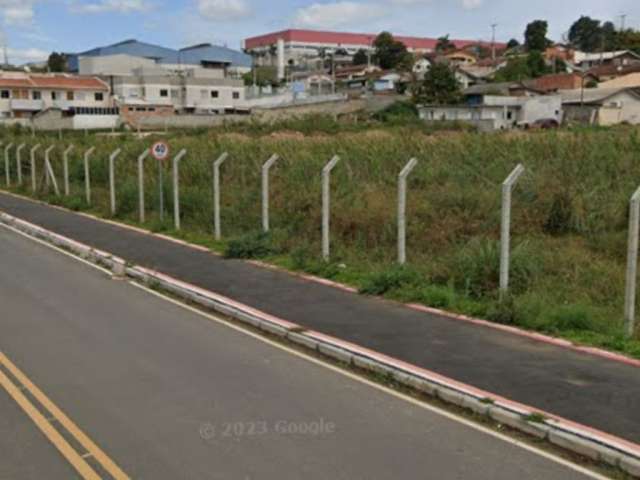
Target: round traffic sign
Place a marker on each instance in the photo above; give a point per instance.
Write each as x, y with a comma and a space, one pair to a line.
160, 150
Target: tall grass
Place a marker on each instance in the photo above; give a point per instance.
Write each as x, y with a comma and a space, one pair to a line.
568, 221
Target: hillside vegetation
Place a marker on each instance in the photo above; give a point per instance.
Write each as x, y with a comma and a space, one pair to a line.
569, 220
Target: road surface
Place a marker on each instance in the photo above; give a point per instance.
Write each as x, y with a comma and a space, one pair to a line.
167, 393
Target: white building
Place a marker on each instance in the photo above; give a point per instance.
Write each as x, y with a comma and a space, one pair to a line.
498, 112
23, 95
602, 106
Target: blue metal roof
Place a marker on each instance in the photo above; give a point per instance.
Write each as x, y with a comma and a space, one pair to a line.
195, 55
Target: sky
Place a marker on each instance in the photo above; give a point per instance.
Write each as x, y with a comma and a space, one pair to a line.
31, 29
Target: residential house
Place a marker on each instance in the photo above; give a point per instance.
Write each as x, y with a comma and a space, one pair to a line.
386, 83
563, 81
498, 112
23, 95
460, 57
602, 106
621, 58
470, 75
421, 66
631, 80
476, 93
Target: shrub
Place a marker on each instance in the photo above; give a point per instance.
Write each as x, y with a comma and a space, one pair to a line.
436, 296
572, 317
393, 278
252, 245
560, 218
504, 311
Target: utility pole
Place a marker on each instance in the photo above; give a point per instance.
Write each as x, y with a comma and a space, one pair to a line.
623, 18
493, 41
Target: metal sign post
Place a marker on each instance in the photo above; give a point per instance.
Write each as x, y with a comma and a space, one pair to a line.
6, 164
87, 177
632, 265
19, 162
112, 180
176, 187
265, 191
507, 187
34, 185
160, 151
402, 207
65, 169
216, 194
326, 199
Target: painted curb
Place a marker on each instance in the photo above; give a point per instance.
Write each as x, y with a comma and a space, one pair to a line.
569, 435
534, 336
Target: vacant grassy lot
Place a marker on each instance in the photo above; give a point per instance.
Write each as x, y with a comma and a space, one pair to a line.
569, 220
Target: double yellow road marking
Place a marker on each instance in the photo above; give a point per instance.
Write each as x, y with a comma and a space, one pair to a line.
76, 459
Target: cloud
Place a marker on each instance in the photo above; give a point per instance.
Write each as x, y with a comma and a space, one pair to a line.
223, 9
111, 6
471, 4
338, 14
16, 12
23, 55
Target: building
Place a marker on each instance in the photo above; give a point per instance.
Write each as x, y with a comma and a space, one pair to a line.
602, 106
471, 75
297, 46
23, 95
631, 80
621, 58
563, 81
460, 58
498, 112
147, 80
203, 56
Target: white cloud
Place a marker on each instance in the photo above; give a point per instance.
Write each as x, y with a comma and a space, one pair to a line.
23, 55
223, 9
16, 12
338, 14
115, 6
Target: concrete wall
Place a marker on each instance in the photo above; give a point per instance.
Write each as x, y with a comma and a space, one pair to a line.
92, 122
111, 65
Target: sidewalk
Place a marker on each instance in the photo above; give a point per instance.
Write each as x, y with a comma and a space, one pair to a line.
593, 391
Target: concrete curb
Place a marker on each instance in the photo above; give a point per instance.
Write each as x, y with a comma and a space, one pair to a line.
564, 433
534, 336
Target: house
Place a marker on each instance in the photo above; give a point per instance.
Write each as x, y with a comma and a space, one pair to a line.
631, 80
498, 112
460, 57
604, 73
23, 95
621, 58
602, 106
563, 81
476, 93
470, 75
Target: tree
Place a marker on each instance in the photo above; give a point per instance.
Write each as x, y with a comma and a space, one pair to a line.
360, 57
629, 40
439, 87
444, 45
513, 43
586, 34
535, 36
389, 51
57, 62
521, 68
536, 64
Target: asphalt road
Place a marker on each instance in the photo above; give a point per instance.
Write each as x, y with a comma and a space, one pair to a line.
169, 394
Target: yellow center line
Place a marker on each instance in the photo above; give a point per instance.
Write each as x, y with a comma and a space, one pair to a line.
95, 451
51, 433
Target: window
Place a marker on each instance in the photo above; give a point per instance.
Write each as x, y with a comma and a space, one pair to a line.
98, 96
164, 92
214, 93
36, 95
54, 95
4, 94
69, 95
236, 95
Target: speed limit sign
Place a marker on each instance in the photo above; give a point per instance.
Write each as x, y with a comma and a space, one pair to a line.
160, 151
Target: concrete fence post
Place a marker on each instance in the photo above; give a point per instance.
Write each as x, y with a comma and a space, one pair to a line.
49, 173
19, 162
65, 169
112, 179
326, 205
216, 194
176, 187
7, 171
265, 191
402, 209
141, 158
507, 187
87, 175
34, 180
632, 265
